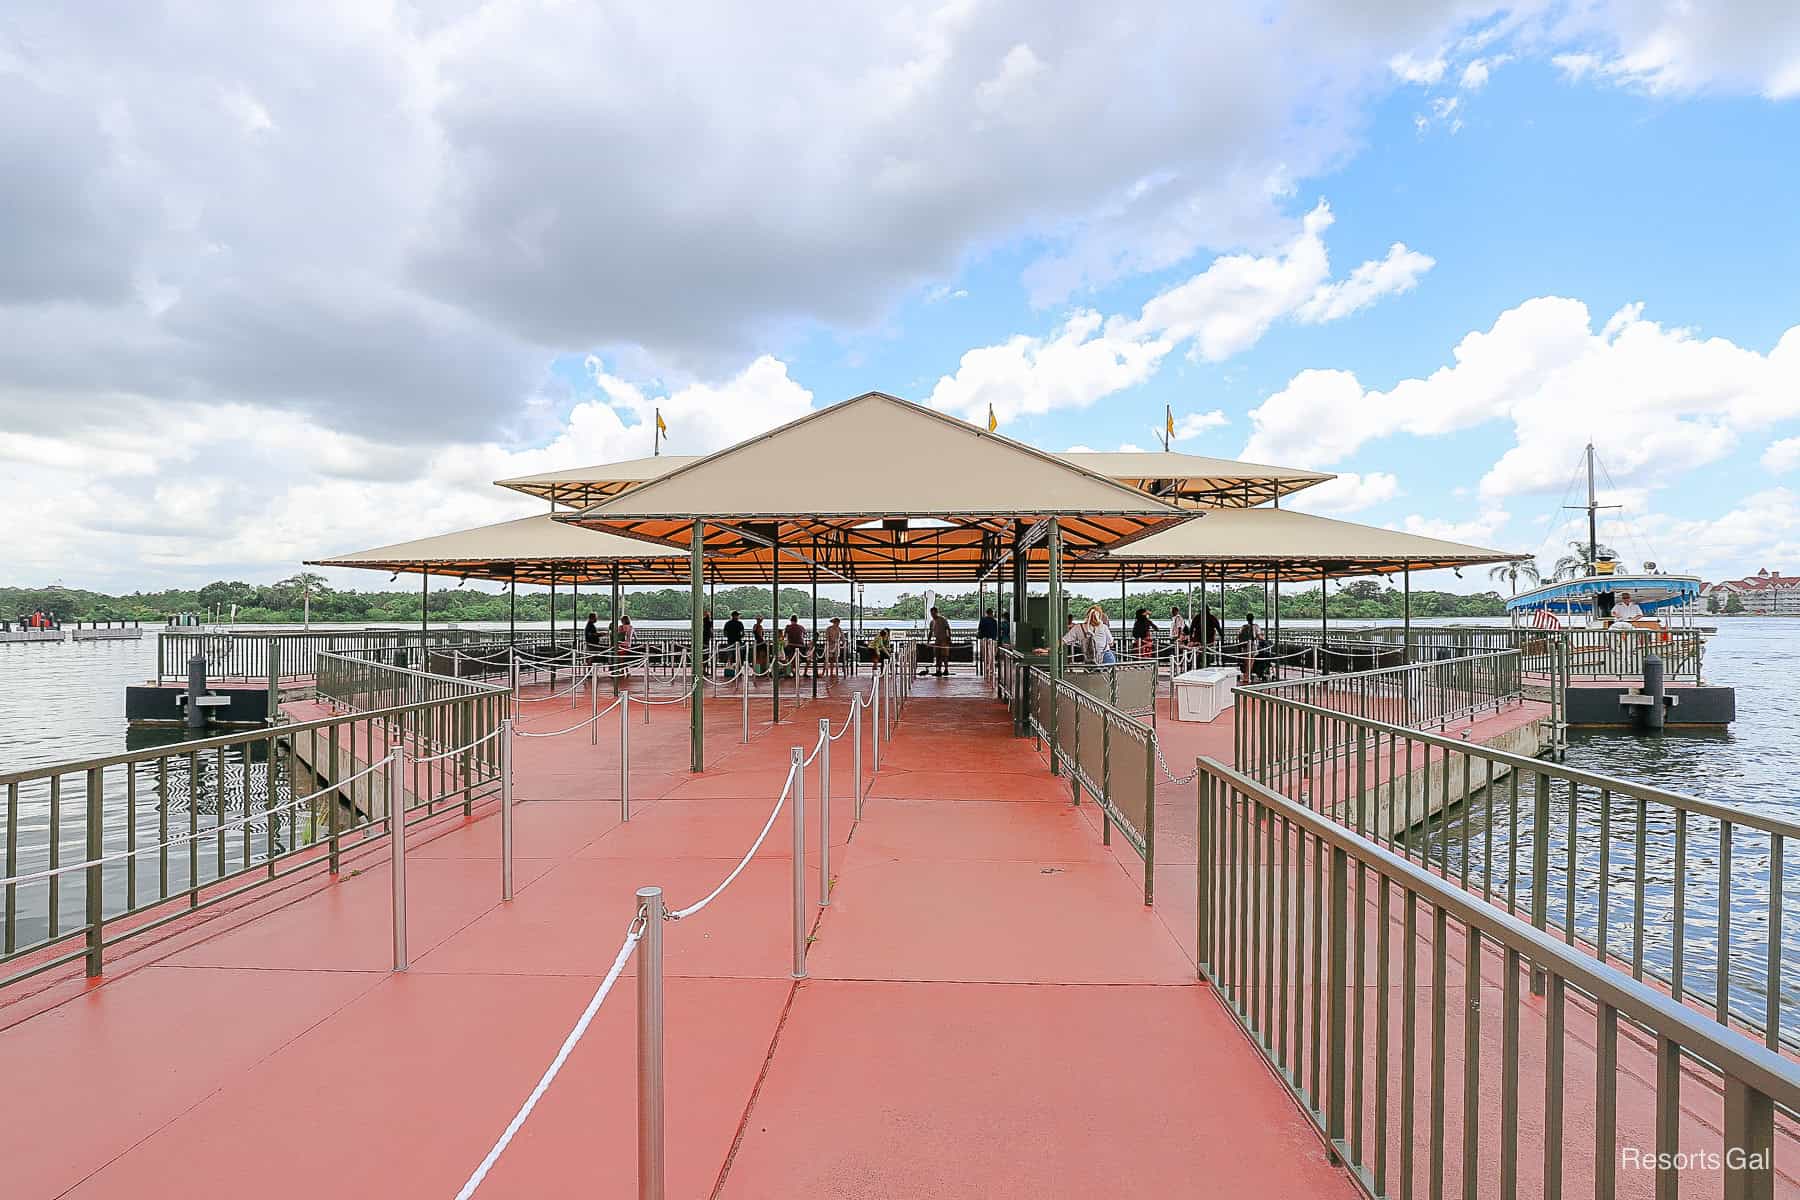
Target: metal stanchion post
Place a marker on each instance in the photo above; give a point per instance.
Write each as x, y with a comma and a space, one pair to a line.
512, 670
650, 1098
824, 812
593, 704
744, 687
646, 685
396, 805
506, 809
625, 757
795, 756
856, 711
875, 740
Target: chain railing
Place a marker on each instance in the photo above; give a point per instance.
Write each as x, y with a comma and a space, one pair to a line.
1304, 926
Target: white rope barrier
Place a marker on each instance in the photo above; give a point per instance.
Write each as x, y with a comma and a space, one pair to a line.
579, 725
211, 831
780, 802
460, 749
580, 682
632, 936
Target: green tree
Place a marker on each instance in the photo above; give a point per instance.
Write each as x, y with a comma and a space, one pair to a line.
1512, 571
1577, 562
1734, 604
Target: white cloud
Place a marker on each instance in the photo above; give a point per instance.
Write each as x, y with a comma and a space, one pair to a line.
1398, 272
1191, 425
1664, 48
1220, 312
1657, 401
1782, 456
1483, 529
1350, 492
1408, 69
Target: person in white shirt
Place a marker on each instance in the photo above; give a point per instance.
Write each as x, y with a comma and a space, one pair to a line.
1097, 639
1625, 611
834, 645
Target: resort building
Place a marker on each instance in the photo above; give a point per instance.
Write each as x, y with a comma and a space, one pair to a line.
1764, 594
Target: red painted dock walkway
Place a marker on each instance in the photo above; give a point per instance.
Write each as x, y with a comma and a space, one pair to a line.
991, 1009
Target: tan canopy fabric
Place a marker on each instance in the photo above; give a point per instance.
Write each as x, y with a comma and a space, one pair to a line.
581, 487
536, 548
1193, 480
881, 488
1257, 543
1188, 480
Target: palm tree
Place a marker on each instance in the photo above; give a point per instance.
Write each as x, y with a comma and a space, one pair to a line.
1577, 564
1511, 571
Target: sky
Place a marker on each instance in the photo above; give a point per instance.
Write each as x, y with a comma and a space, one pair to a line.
279, 282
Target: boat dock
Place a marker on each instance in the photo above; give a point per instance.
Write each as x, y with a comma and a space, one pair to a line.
675, 921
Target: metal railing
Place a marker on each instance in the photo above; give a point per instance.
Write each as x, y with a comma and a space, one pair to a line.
1416, 696
1303, 927
1592, 654
1686, 892
249, 655
103, 850
1099, 748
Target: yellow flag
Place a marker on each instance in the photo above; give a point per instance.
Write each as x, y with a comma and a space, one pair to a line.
660, 427
993, 421
1169, 419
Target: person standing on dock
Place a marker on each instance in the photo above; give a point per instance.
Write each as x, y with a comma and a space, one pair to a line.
987, 633
939, 634
1143, 635
794, 642
1178, 631
734, 643
834, 645
590, 634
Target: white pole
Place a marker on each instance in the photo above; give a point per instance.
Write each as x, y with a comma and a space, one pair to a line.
593, 704
625, 757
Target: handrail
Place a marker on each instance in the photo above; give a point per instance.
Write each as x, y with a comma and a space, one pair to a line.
1745, 817
1249, 912
1727, 1049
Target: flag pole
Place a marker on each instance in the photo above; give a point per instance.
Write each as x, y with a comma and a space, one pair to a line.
656, 436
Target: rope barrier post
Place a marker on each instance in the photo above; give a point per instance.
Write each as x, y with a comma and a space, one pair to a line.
593, 704
856, 711
824, 812
396, 805
506, 809
646, 685
744, 678
650, 1097
625, 757
512, 669
795, 757
875, 691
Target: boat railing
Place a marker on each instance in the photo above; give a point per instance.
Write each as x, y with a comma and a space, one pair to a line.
1614, 868
133, 842
1428, 1034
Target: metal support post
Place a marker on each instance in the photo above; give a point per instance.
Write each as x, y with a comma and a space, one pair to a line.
593, 704
875, 691
650, 1097
625, 758
824, 812
795, 757
506, 809
856, 722
96, 848
396, 814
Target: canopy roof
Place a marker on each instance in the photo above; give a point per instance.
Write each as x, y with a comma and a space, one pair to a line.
581, 487
881, 488
1261, 543
1190, 480
1194, 480
529, 549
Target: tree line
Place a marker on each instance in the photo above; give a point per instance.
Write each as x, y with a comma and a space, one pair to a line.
286, 601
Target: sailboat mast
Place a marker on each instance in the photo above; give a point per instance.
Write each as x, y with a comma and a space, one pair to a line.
1592, 507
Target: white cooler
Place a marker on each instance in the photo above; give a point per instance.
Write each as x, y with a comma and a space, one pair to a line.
1202, 695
